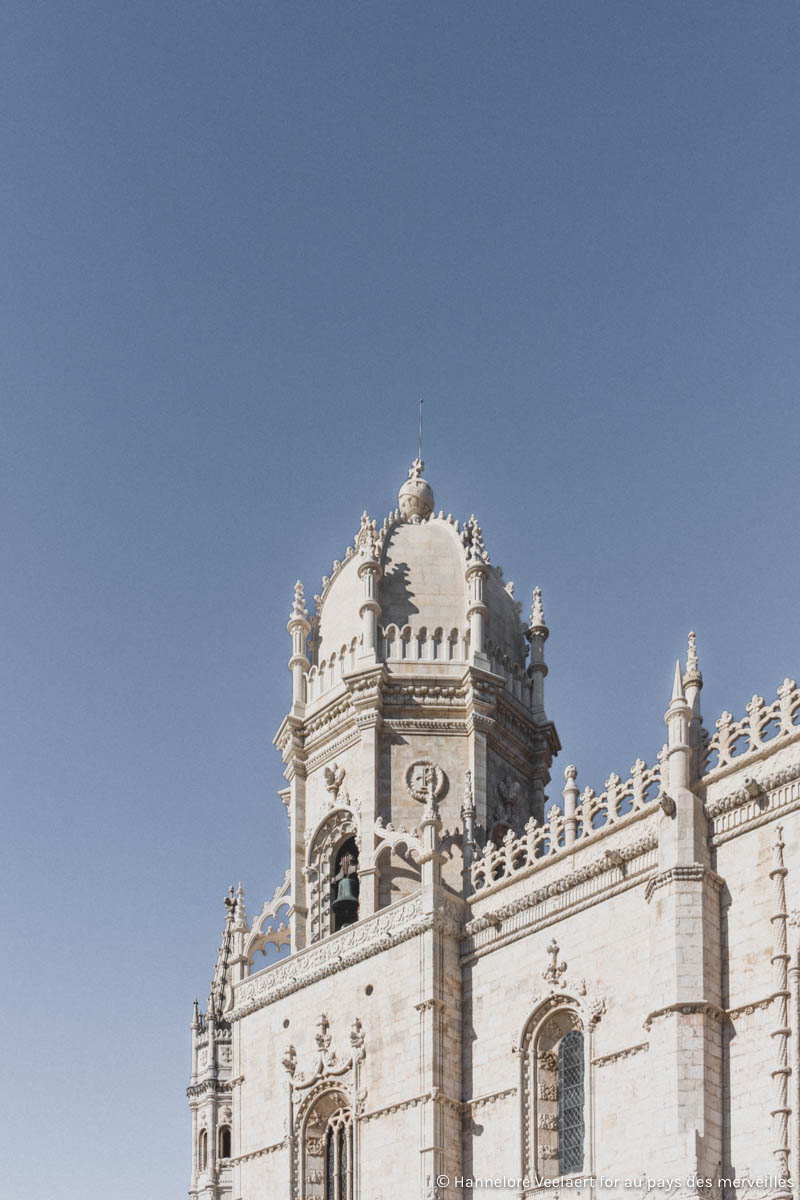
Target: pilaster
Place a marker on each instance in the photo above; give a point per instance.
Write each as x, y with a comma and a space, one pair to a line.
439, 1009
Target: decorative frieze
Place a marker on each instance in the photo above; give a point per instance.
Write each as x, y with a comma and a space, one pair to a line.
755, 802
385, 929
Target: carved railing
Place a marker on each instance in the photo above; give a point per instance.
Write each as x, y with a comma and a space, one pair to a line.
268, 927
422, 644
578, 824
764, 727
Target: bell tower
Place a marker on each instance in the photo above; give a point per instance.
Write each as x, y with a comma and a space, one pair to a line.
413, 702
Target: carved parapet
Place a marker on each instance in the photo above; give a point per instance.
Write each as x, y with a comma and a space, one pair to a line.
589, 818
766, 726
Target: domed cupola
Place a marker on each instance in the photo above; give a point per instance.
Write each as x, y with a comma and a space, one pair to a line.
420, 589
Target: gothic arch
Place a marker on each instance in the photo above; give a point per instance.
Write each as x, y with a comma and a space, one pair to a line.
331, 833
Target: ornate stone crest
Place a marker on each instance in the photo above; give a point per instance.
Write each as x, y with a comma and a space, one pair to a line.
425, 780
334, 778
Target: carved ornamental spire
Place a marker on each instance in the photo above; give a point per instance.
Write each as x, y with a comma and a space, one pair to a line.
537, 634
369, 572
298, 629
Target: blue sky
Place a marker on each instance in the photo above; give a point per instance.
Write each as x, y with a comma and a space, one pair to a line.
238, 242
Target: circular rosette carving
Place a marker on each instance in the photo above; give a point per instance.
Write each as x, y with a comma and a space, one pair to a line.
425, 780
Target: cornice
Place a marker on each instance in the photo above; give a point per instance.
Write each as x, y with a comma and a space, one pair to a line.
243, 1158
756, 802
217, 1087
606, 1059
747, 1010
599, 865
444, 726
488, 1098
692, 873
687, 1008
323, 750
436, 1096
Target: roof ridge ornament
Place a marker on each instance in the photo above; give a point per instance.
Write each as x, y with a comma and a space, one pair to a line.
415, 498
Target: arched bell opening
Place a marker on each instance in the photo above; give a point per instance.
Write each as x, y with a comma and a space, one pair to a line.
345, 885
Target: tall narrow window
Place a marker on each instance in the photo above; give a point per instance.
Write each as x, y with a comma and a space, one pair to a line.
570, 1103
202, 1150
555, 1087
224, 1141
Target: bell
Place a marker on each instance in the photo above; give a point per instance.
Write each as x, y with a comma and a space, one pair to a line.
345, 906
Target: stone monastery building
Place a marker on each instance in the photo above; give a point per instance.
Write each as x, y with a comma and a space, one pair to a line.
466, 979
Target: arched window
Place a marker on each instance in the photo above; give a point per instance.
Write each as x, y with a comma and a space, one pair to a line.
224, 1141
554, 1087
344, 886
202, 1150
326, 1149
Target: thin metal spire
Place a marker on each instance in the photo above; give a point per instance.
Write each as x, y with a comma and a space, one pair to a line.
419, 455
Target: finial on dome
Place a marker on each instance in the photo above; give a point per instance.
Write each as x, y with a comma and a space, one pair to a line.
415, 497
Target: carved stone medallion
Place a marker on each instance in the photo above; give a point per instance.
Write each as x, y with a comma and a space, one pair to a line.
425, 780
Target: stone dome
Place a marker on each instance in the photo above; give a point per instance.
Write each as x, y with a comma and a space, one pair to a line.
422, 587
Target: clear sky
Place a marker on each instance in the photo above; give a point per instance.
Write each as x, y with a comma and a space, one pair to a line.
238, 240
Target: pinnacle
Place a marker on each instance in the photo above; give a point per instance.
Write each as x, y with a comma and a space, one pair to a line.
677, 686
537, 611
